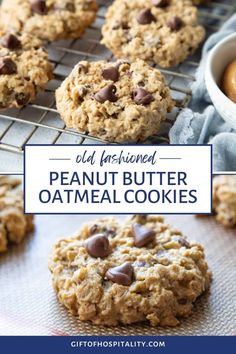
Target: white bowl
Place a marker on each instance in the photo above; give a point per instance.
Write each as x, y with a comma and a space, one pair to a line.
218, 59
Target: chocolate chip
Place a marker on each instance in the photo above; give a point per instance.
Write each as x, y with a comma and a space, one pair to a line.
70, 7
22, 98
175, 23
160, 3
2, 106
183, 242
111, 73
98, 246
142, 235
116, 27
125, 26
141, 84
39, 7
182, 301
122, 275
7, 66
107, 93
145, 17
10, 41
102, 131
143, 97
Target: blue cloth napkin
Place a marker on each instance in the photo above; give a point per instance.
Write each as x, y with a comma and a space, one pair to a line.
200, 123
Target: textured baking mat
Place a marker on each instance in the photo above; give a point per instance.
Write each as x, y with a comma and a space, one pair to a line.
28, 304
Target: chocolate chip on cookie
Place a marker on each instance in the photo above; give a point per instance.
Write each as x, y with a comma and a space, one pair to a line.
107, 93
22, 98
175, 23
122, 275
111, 73
10, 41
145, 17
39, 7
181, 241
7, 66
98, 246
160, 3
142, 235
142, 97
183, 301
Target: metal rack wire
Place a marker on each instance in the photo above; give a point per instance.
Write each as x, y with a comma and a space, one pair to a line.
40, 122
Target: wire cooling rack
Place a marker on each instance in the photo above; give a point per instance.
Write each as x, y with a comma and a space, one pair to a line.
39, 123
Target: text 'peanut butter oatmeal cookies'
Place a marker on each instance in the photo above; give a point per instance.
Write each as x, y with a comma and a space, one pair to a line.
48, 19
14, 225
224, 199
117, 102
114, 272
24, 69
163, 32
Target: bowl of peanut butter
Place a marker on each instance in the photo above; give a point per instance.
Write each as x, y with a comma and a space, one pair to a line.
220, 78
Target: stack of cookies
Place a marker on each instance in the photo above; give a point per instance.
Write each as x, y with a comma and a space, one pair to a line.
121, 102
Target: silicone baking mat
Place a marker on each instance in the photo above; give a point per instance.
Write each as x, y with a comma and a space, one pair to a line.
39, 123
28, 304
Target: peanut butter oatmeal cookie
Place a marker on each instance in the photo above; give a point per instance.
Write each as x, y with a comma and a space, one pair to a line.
14, 225
224, 199
48, 19
199, 2
24, 69
117, 102
165, 32
121, 272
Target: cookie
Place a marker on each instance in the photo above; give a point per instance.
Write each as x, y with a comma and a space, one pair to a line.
14, 225
117, 102
165, 32
199, 2
49, 20
121, 272
224, 199
24, 69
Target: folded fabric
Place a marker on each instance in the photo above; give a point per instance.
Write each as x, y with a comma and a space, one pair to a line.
200, 123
